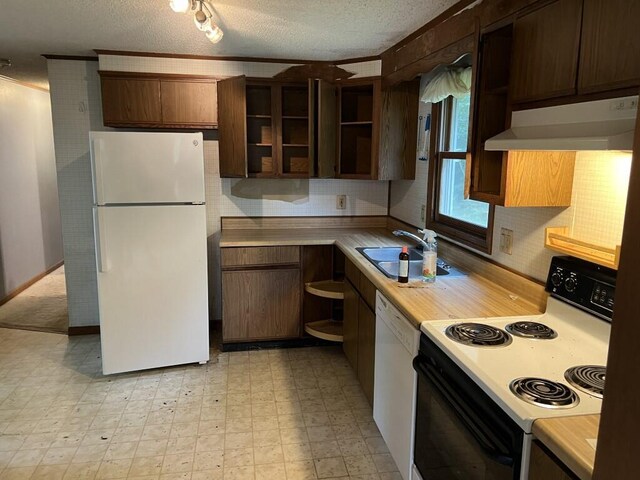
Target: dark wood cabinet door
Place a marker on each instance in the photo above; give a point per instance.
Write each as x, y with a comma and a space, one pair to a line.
192, 103
366, 348
260, 305
130, 101
610, 48
327, 98
232, 127
350, 324
546, 43
399, 131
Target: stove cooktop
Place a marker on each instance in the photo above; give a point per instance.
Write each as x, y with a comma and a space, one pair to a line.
572, 338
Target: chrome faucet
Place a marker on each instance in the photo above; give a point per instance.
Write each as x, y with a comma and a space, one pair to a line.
417, 239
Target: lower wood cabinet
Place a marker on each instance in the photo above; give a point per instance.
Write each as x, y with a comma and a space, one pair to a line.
261, 294
359, 327
366, 348
260, 305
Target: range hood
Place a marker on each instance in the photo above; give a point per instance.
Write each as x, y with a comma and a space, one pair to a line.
599, 125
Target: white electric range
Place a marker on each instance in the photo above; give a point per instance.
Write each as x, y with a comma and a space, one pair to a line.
483, 382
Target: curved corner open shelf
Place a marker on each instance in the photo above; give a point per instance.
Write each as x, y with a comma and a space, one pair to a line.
326, 289
325, 329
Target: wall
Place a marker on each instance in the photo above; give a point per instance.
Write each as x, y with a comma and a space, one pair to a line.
596, 213
75, 91
30, 235
76, 110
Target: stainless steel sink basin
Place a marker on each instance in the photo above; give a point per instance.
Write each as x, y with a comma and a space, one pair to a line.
386, 260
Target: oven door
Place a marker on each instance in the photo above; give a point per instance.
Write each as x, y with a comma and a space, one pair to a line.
460, 432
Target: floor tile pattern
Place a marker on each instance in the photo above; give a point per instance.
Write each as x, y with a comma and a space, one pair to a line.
291, 414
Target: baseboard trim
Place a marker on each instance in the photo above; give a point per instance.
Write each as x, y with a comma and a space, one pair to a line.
95, 329
271, 344
26, 285
83, 330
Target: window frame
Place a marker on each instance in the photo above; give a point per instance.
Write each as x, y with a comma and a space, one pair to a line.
466, 233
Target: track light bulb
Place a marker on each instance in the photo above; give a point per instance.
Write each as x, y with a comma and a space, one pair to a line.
214, 33
180, 6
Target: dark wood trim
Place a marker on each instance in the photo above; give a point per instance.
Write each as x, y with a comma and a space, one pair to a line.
159, 76
79, 58
370, 58
585, 97
27, 284
164, 126
83, 330
235, 58
446, 15
264, 266
127, 53
306, 341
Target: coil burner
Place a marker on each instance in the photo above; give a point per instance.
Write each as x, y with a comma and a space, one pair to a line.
478, 334
544, 393
587, 378
531, 330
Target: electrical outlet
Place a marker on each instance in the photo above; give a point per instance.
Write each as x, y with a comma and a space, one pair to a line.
341, 202
423, 212
506, 241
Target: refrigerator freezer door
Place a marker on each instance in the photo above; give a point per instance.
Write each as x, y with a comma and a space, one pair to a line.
152, 286
133, 167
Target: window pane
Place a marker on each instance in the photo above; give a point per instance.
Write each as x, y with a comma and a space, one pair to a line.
459, 123
452, 201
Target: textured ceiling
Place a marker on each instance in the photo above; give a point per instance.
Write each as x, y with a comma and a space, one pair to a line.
306, 29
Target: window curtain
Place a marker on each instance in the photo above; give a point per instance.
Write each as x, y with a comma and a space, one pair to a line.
454, 82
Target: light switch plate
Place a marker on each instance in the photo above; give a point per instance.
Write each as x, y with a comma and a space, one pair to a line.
341, 202
506, 241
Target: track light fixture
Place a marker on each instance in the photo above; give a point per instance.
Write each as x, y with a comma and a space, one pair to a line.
202, 14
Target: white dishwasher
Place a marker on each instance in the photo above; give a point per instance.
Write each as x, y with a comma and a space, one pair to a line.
394, 391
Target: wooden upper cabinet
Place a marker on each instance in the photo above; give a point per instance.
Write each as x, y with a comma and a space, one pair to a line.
610, 48
131, 101
546, 43
158, 100
265, 128
189, 103
377, 129
232, 127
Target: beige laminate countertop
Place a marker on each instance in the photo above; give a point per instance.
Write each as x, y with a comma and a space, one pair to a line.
470, 296
567, 438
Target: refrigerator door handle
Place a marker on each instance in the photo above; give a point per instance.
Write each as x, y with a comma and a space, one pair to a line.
97, 170
100, 228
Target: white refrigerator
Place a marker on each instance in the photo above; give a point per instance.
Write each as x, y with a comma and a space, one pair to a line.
151, 249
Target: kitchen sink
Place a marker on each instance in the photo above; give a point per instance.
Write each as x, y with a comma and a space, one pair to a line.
386, 260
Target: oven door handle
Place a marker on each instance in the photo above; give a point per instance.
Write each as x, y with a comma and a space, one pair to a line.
473, 427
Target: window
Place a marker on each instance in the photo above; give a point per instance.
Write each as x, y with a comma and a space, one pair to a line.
465, 220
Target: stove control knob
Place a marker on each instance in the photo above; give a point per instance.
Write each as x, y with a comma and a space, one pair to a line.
556, 279
570, 284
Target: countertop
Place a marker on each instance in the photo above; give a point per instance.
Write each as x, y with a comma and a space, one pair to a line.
567, 438
470, 296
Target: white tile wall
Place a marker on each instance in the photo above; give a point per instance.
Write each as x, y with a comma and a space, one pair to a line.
76, 109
